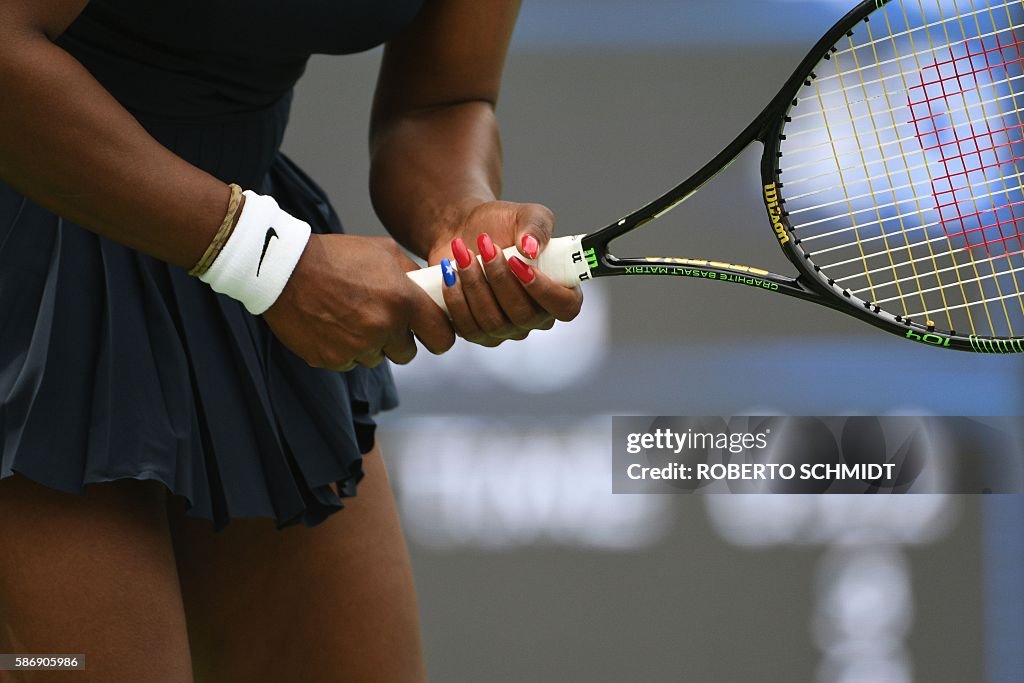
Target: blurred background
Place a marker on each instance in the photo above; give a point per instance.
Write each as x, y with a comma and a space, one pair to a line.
529, 569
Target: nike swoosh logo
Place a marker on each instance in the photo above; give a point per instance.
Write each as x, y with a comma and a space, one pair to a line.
271, 234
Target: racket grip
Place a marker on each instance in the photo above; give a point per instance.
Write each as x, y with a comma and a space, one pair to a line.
562, 260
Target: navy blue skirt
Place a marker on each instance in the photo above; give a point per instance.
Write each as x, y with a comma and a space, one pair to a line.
114, 365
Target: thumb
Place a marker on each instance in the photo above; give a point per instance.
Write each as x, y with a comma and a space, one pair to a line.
534, 226
429, 322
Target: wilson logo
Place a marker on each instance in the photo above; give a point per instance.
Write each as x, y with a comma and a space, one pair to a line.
591, 258
771, 200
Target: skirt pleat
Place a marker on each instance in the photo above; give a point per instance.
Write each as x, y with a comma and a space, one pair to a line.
114, 365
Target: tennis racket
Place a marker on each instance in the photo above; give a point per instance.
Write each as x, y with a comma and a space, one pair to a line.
892, 174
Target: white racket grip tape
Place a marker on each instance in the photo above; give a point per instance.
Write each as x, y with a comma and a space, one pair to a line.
562, 260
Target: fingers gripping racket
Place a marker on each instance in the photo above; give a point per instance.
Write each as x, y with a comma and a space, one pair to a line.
892, 174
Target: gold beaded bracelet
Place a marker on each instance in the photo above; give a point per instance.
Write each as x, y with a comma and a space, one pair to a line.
221, 238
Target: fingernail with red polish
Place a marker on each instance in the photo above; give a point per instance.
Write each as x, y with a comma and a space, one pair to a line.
523, 272
462, 255
486, 246
531, 246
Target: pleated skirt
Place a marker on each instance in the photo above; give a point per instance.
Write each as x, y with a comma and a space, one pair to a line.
114, 365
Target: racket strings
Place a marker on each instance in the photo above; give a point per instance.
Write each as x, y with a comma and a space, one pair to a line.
868, 118
911, 138
831, 188
937, 288
939, 187
1001, 298
899, 134
898, 76
893, 35
939, 270
804, 181
890, 205
925, 25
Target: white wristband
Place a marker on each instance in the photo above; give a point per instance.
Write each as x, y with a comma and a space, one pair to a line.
260, 255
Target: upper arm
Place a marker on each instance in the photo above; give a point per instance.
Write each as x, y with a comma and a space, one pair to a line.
453, 52
47, 17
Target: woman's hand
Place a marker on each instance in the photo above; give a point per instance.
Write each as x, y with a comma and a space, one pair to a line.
436, 169
503, 299
349, 302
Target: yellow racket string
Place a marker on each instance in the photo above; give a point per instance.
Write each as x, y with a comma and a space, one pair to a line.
956, 270
888, 176
842, 182
974, 200
917, 201
1020, 123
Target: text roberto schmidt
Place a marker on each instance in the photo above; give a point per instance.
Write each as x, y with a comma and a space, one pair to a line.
762, 472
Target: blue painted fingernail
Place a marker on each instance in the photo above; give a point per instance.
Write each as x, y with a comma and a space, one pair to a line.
449, 273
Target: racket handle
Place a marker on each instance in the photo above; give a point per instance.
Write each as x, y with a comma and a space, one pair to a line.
562, 260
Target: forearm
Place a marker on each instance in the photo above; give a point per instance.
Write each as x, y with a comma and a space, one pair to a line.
70, 147
429, 167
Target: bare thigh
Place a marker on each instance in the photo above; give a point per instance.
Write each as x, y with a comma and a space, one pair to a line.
331, 603
92, 575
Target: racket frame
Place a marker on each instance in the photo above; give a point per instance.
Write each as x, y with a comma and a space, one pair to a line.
810, 285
